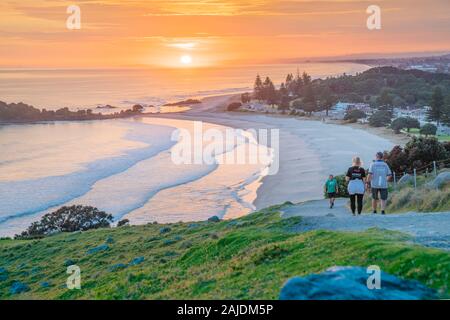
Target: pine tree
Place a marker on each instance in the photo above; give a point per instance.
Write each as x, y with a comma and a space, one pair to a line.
309, 100
437, 110
269, 91
258, 88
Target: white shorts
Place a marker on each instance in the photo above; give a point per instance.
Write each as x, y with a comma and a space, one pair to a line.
356, 187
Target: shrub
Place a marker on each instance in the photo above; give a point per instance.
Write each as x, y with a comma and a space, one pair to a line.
399, 124
234, 106
418, 152
123, 222
68, 219
428, 129
354, 115
381, 118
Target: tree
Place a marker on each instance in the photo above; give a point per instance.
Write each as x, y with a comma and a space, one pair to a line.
412, 123
418, 152
397, 159
234, 106
309, 100
138, 108
354, 115
385, 99
68, 219
328, 99
428, 129
258, 88
269, 91
381, 118
284, 104
446, 114
245, 97
398, 124
423, 151
306, 79
437, 110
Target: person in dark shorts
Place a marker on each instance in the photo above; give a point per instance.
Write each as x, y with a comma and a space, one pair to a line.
379, 175
331, 188
356, 176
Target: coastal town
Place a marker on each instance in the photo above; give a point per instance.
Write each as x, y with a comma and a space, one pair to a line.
342, 99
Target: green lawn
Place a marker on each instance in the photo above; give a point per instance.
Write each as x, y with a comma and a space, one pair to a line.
246, 258
416, 132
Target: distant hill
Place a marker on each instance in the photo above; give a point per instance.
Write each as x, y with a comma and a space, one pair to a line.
401, 87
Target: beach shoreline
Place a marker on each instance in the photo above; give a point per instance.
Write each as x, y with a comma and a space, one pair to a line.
302, 139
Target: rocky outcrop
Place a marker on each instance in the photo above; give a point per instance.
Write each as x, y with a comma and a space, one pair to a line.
350, 283
406, 179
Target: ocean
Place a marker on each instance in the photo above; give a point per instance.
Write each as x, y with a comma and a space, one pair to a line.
75, 89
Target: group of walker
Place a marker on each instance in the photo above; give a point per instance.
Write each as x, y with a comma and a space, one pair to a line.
374, 180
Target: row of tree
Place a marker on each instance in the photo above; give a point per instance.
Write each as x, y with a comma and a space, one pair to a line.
378, 87
298, 91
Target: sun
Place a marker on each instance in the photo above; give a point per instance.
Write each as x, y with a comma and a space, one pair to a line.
186, 59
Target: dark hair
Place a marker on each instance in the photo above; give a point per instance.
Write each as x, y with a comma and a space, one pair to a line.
380, 155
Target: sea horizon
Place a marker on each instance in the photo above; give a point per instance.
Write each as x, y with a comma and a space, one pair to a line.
82, 88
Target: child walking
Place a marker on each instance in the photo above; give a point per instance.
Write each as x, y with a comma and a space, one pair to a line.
331, 188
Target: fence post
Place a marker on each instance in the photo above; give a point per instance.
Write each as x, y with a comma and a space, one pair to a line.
434, 168
415, 179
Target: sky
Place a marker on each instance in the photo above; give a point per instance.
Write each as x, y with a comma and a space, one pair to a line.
190, 33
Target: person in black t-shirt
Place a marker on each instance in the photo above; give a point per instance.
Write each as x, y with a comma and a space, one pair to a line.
356, 176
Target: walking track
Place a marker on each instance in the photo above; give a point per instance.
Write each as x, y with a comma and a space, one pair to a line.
429, 229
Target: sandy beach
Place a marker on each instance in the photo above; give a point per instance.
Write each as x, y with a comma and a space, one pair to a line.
309, 150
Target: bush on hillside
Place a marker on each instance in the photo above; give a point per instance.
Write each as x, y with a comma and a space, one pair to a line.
428, 129
68, 219
418, 153
381, 118
354, 115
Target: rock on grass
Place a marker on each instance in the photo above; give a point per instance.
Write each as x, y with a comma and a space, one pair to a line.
214, 219
100, 248
136, 261
350, 283
19, 287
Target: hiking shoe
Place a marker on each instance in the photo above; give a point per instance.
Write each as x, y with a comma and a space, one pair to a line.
383, 213
374, 211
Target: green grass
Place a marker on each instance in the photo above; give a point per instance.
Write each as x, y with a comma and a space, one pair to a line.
416, 132
246, 258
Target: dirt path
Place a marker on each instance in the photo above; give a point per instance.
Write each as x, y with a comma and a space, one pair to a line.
429, 229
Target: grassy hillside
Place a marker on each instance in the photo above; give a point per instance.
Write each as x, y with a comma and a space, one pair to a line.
247, 258
424, 199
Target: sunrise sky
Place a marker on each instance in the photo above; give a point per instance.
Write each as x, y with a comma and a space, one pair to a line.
178, 33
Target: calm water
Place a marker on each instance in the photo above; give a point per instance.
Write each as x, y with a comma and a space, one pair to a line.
53, 89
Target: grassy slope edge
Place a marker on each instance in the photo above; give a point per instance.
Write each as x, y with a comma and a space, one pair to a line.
247, 258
